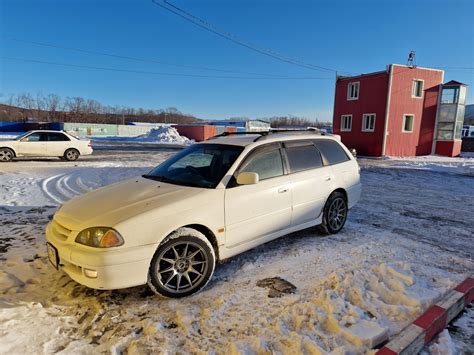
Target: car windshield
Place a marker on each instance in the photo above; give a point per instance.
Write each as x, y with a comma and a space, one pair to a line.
22, 136
201, 165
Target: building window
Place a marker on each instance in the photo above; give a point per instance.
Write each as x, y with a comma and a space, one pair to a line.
353, 91
408, 123
346, 123
449, 95
368, 122
417, 90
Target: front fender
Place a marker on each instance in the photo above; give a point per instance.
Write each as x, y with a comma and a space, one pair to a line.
155, 225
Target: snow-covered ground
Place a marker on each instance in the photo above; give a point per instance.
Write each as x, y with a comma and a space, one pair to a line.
407, 242
459, 165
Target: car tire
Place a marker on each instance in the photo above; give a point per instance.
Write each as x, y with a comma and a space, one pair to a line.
6, 154
71, 154
182, 265
334, 214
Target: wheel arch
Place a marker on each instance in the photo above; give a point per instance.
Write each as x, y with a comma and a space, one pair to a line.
207, 232
342, 191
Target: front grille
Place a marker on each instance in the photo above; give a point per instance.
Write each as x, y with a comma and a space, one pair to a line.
60, 232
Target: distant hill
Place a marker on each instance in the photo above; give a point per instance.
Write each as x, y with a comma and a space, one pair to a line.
20, 114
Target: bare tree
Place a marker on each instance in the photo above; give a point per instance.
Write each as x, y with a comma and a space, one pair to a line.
51, 104
77, 109
26, 103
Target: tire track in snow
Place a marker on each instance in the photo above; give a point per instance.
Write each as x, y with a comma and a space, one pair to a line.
67, 183
62, 187
48, 191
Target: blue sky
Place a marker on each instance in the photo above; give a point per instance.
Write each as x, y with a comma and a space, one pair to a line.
352, 36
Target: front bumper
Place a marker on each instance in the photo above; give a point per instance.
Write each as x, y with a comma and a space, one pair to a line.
113, 268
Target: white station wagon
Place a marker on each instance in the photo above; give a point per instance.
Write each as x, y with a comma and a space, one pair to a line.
211, 201
45, 144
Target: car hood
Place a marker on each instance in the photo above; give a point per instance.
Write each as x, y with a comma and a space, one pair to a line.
115, 203
8, 141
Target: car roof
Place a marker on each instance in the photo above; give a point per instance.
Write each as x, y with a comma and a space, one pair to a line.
258, 139
45, 131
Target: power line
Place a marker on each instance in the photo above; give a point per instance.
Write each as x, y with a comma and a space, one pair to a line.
161, 73
144, 60
233, 38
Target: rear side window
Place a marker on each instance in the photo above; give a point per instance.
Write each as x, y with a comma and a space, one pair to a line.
304, 157
267, 164
57, 137
332, 152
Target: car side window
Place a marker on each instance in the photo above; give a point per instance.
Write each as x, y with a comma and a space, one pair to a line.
34, 137
266, 163
57, 137
332, 152
303, 157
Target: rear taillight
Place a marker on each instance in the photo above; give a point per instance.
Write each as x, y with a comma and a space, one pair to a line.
89, 145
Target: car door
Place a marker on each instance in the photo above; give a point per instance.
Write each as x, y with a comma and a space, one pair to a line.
33, 145
261, 209
345, 170
57, 143
310, 181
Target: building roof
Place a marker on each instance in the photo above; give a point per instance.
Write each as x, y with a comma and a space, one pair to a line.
454, 83
386, 71
344, 77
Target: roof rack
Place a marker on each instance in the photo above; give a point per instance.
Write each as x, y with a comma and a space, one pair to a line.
225, 134
272, 131
307, 130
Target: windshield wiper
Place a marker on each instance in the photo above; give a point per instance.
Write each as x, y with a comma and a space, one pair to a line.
177, 182
160, 178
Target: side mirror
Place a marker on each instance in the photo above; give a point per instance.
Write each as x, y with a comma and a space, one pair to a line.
354, 153
247, 178
24, 140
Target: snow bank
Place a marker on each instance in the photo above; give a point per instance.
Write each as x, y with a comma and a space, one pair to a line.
164, 134
159, 135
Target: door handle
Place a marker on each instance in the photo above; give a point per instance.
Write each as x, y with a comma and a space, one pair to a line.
282, 190
328, 178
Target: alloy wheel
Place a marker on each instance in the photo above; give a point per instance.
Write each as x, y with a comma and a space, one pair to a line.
181, 267
71, 155
337, 213
6, 155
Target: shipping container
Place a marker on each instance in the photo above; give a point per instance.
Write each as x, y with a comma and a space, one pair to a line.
196, 132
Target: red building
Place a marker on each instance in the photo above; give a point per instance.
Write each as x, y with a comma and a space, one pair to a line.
391, 112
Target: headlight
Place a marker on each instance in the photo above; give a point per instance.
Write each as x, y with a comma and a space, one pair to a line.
100, 237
